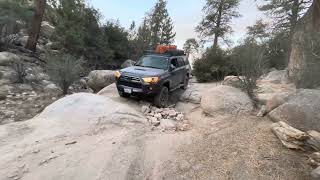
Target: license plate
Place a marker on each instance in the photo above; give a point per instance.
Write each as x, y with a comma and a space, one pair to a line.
126, 90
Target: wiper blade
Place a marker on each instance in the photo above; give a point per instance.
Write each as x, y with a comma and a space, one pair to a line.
139, 65
152, 67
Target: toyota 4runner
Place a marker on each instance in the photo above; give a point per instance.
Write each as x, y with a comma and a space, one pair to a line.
155, 75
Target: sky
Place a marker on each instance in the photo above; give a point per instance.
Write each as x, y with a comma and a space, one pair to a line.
186, 15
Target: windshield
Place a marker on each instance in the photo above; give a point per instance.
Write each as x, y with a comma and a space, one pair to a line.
157, 62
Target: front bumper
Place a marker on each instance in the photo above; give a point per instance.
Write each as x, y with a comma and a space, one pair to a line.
138, 89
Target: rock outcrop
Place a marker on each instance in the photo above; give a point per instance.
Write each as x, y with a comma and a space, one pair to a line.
233, 81
100, 79
226, 100
7, 58
277, 76
80, 131
47, 29
275, 83
191, 95
302, 110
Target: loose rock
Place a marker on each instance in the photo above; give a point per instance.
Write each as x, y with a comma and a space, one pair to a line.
168, 124
262, 111
145, 109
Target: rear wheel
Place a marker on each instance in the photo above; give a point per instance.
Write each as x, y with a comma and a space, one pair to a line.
161, 99
124, 95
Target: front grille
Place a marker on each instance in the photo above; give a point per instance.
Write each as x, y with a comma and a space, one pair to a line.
131, 78
130, 84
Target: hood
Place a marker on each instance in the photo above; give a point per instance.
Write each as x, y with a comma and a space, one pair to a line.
142, 71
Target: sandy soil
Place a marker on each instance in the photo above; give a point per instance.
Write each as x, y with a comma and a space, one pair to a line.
220, 147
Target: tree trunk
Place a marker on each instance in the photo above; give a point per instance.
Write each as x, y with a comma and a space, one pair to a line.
36, 25
217, 34
293, 24
308, 24
316, 15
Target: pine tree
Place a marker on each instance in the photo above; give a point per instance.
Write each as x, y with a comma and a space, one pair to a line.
286, 15
143, 39
191, 46
161, 25
216, 23
258, 31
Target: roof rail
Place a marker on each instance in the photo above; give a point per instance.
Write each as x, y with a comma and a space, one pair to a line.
166, 53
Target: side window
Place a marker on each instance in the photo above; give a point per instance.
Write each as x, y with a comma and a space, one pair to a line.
174, 61
181, 62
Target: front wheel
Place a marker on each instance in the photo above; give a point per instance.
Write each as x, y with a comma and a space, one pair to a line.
124, 95
161, 99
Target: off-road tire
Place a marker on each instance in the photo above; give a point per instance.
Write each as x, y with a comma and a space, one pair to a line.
185, 83
124, 95
162, 98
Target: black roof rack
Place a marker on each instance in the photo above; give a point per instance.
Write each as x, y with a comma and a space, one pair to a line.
167, 53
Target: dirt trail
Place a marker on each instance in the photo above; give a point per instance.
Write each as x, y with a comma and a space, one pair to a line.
220, 147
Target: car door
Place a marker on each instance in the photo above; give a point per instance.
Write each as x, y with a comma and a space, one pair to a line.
175, 72
182, 69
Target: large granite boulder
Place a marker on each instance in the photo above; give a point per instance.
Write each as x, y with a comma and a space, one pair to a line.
100, 79
7, 58
302, 110
226, 100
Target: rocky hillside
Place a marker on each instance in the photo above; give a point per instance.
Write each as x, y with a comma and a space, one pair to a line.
26, 89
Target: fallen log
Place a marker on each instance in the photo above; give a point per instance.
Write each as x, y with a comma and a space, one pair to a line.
314, 140
290, 137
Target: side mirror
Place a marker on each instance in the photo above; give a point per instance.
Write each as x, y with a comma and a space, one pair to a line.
172, 67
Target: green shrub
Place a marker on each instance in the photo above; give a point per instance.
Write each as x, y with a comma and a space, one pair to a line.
64, 70
213, 66
250, 63
20, 71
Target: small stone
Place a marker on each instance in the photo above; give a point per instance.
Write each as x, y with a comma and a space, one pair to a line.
172, 113
158, 116
145, 109
168, 124
180, 117
154, 121
54, 98
151, 113
314, 159
36, 151
158, 111
184, 127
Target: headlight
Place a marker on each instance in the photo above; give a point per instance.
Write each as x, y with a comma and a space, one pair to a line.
117, 74
151, 80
